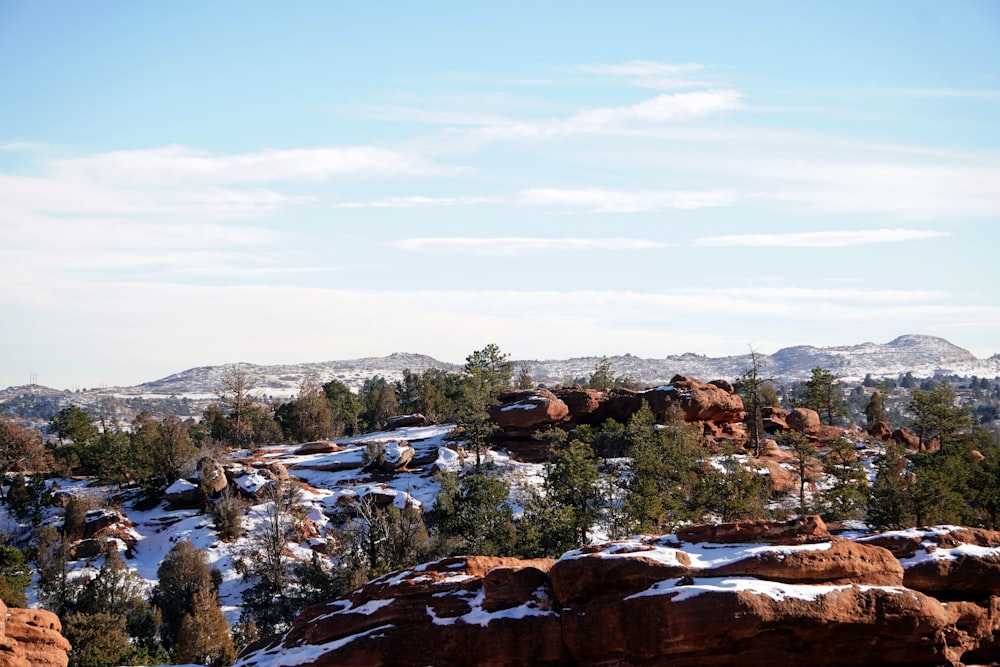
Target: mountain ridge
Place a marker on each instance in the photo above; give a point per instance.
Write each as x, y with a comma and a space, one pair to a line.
921, 355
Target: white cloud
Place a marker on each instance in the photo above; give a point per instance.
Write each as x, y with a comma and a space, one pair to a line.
835, 239
418, 201
624, 201
180, 164
515, 246
667, 108
650, 74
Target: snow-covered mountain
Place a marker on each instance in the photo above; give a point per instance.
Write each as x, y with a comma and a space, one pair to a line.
923, 356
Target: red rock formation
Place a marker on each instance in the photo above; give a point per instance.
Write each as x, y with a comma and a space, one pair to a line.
528, 409
880, 430
704, 596
906, 438
32, 638
805, 421
775, 419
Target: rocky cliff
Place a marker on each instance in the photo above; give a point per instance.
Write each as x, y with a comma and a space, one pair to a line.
756, 593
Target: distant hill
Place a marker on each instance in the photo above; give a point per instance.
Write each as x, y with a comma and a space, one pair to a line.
188, 391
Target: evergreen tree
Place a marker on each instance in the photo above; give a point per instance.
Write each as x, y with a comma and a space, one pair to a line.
378, 398
15, 577
823, 393
346, 408
750, 387
183, 572
846, 498
487, 373
524, 378
603, 377
935, 415
888, 500
204, 637
666, 466
804, 451
472, 515
875, 410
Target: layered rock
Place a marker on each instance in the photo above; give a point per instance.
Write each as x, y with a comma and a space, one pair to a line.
31, 638
520, 415
751, 593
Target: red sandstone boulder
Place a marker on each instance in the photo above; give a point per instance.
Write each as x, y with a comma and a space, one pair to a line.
318, 447
699, 401
907, 438
404, 421
581, 402
39, 632
807, 529
880, 430
528, 409
775, 419
805, 421
828, 433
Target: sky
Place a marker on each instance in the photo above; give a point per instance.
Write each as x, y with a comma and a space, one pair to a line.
197, 183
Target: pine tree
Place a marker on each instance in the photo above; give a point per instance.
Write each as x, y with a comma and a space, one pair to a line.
804, 451
603, 377
875, 410
473, 514
937, 417
846, 498
888, 500
823, 393
204, 637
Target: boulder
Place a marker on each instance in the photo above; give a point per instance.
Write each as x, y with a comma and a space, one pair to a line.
212, 476
775, 419
392, 456
39, 632
582, 403
805, 421
318, 447
404, 421
713, 402
182, 494
906, 438
880, 430
828, 434
807, 529
531, 409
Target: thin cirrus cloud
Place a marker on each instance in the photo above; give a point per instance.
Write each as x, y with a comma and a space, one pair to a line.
177, 163
600, 200
515, 245
837, 239
649, 74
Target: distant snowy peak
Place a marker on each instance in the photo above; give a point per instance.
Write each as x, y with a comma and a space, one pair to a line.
285, 379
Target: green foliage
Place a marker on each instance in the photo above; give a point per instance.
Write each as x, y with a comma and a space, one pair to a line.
378, 400
345, 406
888, 499
204, 637
227, 515
28, 497
472, 515
733, 493
935, 415
183, 572
99, 640
666, 466
309, 417
435, 393
15, 577
76, 431
524, 380
824, 394
750, 387
381, 540
875, 410
846, 498
804, 451
603, 377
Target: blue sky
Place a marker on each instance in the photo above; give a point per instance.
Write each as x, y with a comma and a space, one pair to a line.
195, 183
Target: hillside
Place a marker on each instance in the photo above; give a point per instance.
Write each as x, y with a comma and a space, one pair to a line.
187, 392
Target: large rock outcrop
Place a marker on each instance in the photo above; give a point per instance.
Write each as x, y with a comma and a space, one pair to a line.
754, 593
520, 415
31, 638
